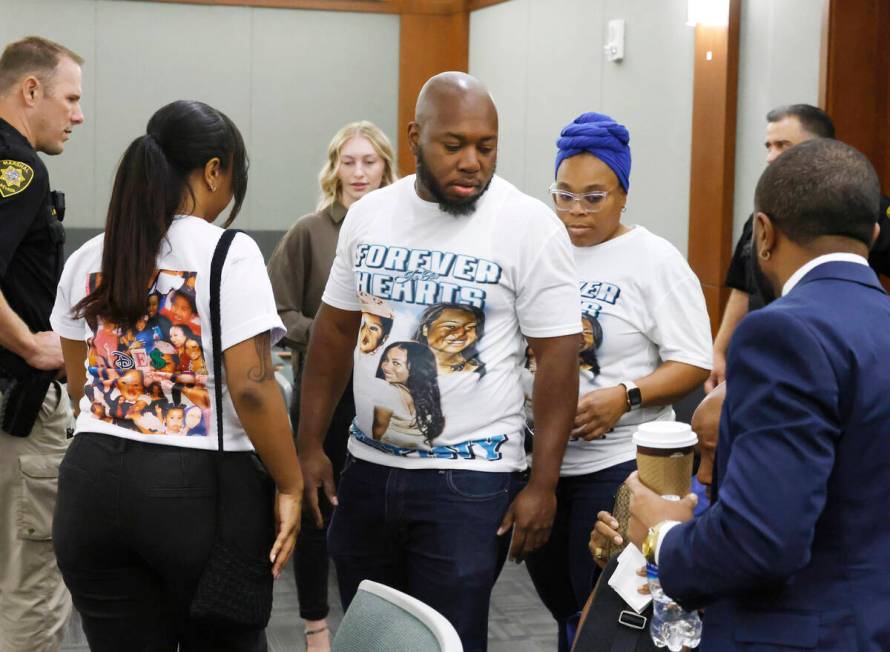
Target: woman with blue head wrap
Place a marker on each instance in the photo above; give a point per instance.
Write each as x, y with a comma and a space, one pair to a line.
592, 178
649, 345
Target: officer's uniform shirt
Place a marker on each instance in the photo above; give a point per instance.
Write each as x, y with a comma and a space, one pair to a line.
31, 233
742, 273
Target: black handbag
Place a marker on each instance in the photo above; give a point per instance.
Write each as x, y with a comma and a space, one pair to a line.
611, 625
234, 588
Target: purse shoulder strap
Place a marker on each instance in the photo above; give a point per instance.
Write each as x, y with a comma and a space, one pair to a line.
216, 267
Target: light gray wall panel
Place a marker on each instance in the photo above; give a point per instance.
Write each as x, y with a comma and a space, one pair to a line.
780, 44
650, 92
555, 69
499, 57
149, 54
543, 61
564, 80
288, 78
338, 67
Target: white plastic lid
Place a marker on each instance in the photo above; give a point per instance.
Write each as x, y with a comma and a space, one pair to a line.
665, 434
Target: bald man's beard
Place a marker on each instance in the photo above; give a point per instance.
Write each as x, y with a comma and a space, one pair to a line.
456, 207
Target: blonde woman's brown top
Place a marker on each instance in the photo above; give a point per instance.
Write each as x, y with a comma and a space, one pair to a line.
299, 269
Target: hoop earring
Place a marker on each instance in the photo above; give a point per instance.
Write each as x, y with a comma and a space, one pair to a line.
765, 254
623, 209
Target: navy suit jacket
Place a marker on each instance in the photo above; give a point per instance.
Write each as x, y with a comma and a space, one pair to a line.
794, 554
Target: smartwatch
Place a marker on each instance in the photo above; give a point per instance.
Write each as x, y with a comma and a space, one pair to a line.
634, 396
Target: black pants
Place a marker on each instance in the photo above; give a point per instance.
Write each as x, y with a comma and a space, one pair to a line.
563, 571
133, 528
311, 554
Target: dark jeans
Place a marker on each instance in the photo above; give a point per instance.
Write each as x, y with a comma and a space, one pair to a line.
430, 533
563, 571
133, 528
311, 553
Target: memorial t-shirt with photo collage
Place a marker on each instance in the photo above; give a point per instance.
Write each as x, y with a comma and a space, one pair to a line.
155, 382
641, 306
445, 302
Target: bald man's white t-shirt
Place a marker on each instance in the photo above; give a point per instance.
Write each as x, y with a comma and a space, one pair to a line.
457, 294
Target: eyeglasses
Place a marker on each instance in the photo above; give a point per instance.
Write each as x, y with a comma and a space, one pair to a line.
590, 202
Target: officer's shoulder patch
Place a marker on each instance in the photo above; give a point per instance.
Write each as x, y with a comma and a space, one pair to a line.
15, 177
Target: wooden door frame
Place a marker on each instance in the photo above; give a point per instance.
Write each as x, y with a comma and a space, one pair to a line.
712, 161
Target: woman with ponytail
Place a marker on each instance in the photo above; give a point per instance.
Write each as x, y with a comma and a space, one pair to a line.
137, 489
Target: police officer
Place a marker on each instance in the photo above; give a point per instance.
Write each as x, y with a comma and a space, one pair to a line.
40, 92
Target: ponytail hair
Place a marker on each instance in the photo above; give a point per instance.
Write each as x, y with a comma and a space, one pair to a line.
151, 182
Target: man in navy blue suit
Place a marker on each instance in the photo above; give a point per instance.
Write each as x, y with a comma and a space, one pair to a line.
795, 551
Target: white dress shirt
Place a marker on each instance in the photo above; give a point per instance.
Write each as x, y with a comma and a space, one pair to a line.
827, 258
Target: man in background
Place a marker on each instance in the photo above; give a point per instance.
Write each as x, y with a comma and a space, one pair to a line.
786, 126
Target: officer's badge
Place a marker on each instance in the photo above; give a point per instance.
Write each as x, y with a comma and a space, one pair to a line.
15, 177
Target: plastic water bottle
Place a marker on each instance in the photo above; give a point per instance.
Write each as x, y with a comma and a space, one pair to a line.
671, 626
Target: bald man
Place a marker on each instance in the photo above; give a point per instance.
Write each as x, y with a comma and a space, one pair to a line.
468, 266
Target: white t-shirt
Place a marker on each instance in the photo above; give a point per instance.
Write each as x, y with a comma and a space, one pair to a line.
641, 306
445, 302
155, 383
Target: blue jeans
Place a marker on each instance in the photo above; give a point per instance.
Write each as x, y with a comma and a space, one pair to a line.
563, 571
428, 532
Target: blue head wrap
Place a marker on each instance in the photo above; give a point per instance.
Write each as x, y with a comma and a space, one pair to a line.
600, 135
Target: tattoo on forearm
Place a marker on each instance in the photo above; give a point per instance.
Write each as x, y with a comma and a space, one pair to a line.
263, 371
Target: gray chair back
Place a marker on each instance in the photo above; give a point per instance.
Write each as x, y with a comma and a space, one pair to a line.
382, 619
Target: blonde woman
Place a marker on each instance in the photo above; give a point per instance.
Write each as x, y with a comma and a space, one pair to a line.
360, 159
